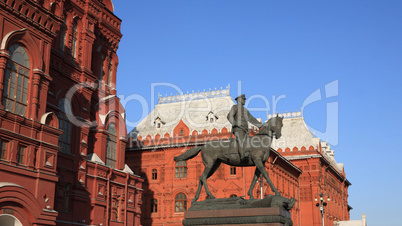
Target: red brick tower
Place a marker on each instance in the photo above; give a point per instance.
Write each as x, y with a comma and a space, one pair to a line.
63, 134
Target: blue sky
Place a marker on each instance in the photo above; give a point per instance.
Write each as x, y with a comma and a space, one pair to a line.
289, 48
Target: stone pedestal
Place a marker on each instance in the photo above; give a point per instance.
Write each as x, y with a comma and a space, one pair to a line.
213, 212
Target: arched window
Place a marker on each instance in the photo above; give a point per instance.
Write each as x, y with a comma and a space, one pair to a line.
154, 206
74, 39
154, 174
7, 219
181, 169
233, 195
111, 146
180, 203
15, 94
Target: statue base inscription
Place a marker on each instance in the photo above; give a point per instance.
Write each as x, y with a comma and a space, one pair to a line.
238, 211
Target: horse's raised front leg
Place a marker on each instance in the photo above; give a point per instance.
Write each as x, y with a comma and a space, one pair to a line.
257, 174
261, 167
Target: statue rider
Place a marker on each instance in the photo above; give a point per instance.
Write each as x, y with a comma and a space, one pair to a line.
239, 117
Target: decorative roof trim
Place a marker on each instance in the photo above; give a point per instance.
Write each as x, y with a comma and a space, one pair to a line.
194, 96
286, 160
296, 114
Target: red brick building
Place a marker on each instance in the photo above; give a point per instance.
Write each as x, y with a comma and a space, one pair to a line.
177, 124
62, 133
321, 172
301, 167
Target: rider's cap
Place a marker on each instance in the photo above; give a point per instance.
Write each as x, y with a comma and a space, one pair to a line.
241, 97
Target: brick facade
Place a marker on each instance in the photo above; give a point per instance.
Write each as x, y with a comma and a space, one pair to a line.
302, 165
63, 134
156, 156
319, 175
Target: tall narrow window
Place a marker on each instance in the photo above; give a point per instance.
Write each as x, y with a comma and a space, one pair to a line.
109, 75
3, 146
154, 174
15, 96
111, 146
66, 197
21, 154
65, 138
154, 206
180, 202
233, 170
101, 72
74, 40
181, 169
63, 29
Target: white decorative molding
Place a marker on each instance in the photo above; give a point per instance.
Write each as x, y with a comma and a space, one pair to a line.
95, 158
102, 118
194, 96
296, 114
127, 169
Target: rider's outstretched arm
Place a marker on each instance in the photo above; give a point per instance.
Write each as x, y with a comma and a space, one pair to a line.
253, 120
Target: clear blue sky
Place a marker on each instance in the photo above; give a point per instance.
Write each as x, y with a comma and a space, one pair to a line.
289, 48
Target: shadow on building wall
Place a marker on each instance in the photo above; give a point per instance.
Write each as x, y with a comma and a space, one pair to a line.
135, 160
73, 200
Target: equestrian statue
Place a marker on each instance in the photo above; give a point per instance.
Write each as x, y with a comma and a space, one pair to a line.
227, 151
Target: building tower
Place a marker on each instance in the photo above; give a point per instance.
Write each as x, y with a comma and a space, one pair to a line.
63, 134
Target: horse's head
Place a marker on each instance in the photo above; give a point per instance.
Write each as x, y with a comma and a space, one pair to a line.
272, 127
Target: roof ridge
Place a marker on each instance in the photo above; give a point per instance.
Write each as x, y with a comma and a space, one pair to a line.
194, 95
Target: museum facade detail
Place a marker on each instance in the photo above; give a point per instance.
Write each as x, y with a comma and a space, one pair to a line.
300, 165
63, 132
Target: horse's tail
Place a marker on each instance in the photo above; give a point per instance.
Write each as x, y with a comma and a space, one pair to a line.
189, 154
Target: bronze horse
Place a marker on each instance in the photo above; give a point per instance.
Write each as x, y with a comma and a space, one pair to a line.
216, 152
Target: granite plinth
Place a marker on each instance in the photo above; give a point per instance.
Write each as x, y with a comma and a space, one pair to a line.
235, 211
